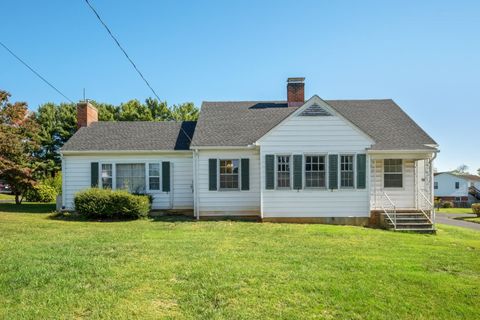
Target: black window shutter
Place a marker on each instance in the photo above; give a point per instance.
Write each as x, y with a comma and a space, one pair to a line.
297, 171
361, 171
94, 174
333, 171
166, 176
269, 171
245, 171
212, 174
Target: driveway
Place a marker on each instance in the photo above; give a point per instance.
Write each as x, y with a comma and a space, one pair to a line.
449, 219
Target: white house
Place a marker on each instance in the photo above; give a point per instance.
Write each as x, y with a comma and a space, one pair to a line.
459, 188
328, 161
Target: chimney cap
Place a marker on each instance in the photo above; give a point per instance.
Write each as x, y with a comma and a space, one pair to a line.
296, 80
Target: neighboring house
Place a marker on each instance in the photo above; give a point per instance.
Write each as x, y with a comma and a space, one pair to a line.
462, 189
332, 161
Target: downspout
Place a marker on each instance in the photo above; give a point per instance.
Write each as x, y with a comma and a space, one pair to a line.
432, 183
64, 181
196, 210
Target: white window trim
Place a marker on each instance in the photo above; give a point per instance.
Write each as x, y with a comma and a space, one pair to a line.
403, 175
146, 163
354, 164
290, 171
239, 175
304, 171
147, 177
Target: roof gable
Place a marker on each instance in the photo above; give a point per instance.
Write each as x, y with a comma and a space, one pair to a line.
325, 107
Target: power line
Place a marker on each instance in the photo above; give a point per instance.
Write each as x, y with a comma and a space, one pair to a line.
121, 48
35, 72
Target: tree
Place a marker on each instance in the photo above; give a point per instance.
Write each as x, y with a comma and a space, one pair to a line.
158, 109
185, 112
57, 123
478, 171
133, 110
461, 169
18, 144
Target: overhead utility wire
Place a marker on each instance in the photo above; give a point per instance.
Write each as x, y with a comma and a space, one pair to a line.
35, 72
121, 48
129, 59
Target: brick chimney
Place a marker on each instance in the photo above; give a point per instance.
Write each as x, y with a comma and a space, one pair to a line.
295, 91
86, 114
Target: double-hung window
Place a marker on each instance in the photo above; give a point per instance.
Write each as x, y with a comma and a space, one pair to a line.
346, 171
392, 173
107, 176
457, 185
283, 171
314, 171
154, 176
229, 173
131, 177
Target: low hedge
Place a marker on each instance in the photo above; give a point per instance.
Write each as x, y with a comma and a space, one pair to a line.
476, 209
447, 204
109, 204
41, 193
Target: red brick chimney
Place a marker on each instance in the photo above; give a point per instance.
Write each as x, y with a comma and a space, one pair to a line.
86, 114
295, 91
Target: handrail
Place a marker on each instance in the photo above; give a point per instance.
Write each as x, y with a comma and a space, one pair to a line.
394, 220
432, 208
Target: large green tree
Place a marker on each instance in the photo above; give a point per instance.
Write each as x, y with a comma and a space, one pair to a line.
18, 146
57, 124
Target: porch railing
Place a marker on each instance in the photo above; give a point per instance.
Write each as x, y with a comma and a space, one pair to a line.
431, 207
392, 208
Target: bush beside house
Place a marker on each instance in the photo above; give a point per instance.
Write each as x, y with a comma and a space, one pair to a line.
476, 209
107, 204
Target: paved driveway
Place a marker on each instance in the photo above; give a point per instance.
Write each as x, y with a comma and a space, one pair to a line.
449, 218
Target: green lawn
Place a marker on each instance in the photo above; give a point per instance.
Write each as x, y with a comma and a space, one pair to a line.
178, 268
4, 196
455, 210
474, 219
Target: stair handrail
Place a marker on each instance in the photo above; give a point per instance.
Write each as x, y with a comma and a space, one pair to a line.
432, 208
394, 220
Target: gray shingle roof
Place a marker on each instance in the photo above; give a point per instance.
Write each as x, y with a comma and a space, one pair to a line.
132, 135
243, 123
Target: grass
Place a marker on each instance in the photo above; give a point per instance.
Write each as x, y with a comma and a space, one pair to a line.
4, 196
53, 267
455, 210
470, 219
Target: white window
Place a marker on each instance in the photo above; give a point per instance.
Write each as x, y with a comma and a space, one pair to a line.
392, 173
154, 176
229, 174
315, 171
435, 185
346, 171
283, 171
107, 176
131, 177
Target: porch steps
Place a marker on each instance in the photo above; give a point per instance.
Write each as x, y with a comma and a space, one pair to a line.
408, 222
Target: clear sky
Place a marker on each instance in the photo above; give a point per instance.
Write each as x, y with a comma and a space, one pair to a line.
423, 54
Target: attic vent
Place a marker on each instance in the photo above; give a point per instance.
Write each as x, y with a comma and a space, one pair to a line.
315, 111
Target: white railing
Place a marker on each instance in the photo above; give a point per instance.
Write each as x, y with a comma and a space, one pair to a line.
431, 207
393, 208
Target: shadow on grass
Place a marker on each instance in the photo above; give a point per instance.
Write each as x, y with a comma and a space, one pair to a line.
173, 218
472, 219
28, 207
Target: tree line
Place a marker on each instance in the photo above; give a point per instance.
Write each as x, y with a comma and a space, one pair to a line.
30, 141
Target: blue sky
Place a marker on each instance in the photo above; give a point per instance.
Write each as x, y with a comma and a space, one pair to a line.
423, 54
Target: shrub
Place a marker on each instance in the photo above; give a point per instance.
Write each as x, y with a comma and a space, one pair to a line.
447, 204
54, 182
41, 193
476, 209
107, 204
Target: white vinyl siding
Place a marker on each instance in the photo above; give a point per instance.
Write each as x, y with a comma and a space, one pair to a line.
446, 185
76, 176
231, 202
310, 136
